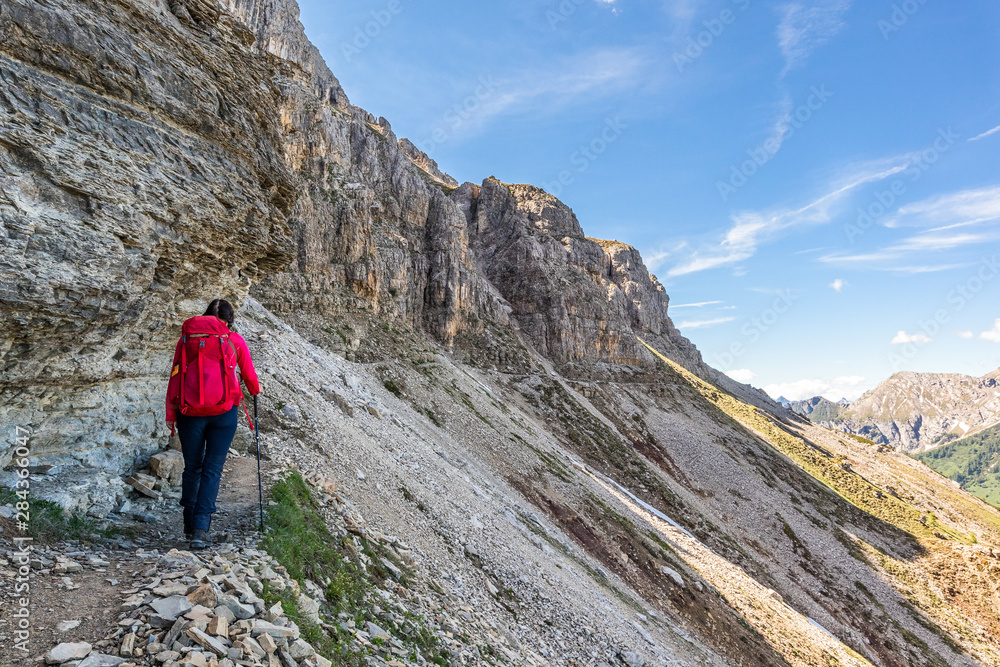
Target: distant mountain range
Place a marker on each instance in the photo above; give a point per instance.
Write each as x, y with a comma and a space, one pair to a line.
949, 421
912, 412
817, 408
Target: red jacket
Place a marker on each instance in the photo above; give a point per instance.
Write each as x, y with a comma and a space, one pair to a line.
209, 324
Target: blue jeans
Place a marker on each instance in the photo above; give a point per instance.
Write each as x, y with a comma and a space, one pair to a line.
205, 442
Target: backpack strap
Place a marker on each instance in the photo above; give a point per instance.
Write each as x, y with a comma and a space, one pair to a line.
181, 405
201, 372
225, 375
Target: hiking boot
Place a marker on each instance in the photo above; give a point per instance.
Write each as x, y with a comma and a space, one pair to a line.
188, 528
200, 540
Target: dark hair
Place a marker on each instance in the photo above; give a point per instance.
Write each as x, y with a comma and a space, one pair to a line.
223, 310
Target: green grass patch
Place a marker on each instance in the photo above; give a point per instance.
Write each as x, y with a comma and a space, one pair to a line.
973, 462
297, 536
49, 522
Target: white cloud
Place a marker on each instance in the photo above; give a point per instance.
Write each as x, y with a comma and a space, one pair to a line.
803, 28
993, 334
782, 125
655, 257
930, 241
986, 134
700, 304
849, 387
554, 86
750, 228
941, 217
924, 268
955, 209
743, 375
838, 284
696, 324
612, 4
902, 338
965, 334
923, 242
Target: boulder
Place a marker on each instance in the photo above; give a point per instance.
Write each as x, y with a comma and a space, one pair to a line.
67, 651
101, 660
207, 641
142, 486
263, 627
300, 650
674, 575
309, 609
204, 595
171, 607
168, 465
291, 413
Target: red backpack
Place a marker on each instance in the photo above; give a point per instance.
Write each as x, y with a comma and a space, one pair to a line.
204, 382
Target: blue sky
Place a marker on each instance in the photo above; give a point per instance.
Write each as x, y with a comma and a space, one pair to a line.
816, 183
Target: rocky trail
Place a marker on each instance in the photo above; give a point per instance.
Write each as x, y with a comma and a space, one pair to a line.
144, 600
77, 588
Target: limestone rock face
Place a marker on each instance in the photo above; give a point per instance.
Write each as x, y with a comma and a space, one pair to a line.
272, 27
380, 229
577, 298
140, 175
372, 231
425, 162
155, 155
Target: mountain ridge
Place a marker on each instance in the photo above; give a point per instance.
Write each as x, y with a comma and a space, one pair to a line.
915, 412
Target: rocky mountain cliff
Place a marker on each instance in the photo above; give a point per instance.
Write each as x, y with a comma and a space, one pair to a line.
142, 172
477, 375
817, 409
915, 412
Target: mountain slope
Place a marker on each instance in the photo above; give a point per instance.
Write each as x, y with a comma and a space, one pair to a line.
973, 462
914, 412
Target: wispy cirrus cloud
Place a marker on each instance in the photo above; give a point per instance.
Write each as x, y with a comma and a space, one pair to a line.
805, 26
602, 72
985, 134
958, 209
945, 222
698, 324
700, 304
546, 89
751, 228
802, 28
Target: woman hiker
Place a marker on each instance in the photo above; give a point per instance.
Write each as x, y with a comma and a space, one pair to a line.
203, 398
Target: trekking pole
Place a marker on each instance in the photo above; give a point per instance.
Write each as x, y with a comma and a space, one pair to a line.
260, 485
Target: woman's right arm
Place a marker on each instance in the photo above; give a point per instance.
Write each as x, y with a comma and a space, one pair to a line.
247, 371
